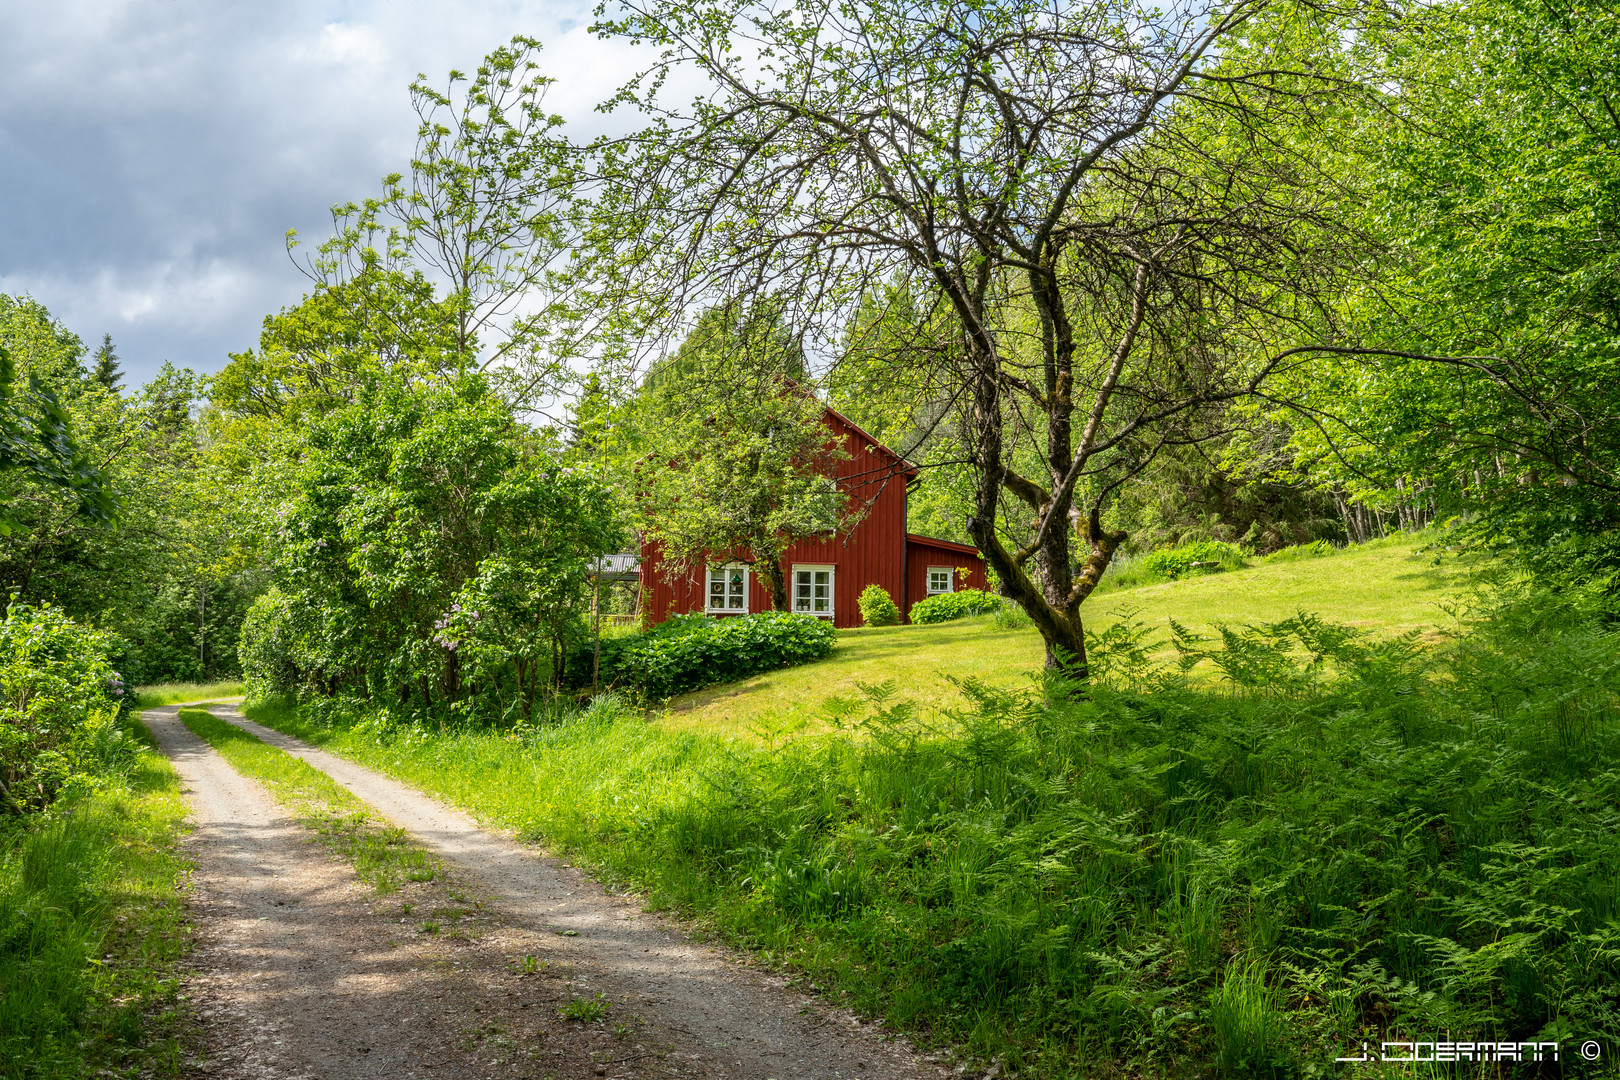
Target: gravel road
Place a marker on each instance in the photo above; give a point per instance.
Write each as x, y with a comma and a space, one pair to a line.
301, 971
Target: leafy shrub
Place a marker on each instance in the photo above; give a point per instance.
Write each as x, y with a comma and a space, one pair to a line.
1172, 564
59, 705
955, 605
689, 651
1012, 616
877, 607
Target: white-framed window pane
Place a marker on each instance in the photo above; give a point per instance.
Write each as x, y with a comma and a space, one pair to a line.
728, 588
939, 579
812, 590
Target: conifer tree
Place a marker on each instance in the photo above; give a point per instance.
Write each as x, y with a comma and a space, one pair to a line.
106, 371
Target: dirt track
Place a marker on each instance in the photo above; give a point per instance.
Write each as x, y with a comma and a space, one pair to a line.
302, 972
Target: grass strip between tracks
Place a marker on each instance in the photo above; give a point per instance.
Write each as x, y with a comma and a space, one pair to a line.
382, 854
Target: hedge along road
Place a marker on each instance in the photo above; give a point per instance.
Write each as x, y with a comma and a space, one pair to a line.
679, 1008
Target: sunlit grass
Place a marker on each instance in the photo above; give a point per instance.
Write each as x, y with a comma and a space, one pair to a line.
381, 854
1385, 588
149, 697
92, 923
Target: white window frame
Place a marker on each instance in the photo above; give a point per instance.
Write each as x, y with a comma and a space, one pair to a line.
832, 582
950, 579
709, 573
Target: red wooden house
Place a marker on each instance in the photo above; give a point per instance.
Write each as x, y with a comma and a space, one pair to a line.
826, 575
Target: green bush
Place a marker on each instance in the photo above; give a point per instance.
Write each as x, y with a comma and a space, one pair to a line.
877, 607
1189, 560
690, 651
955, 605
1315, 550
59, 706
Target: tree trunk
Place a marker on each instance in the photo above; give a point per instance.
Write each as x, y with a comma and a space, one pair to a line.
776, 580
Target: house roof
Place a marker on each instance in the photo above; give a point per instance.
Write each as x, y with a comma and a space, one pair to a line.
906, 467
943, 545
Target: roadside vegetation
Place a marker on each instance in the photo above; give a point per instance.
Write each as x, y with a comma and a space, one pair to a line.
1342, 836
147, 697
92, 924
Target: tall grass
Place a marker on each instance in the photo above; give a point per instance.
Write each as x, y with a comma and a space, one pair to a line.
149, 697
91, 924
1351, 838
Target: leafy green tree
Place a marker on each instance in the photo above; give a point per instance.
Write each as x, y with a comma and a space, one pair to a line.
735, 461
486, 212
1101, 205
38, 448
1493, 154
316, 356
429, 550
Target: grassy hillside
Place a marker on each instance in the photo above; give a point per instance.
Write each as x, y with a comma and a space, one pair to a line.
1386, 588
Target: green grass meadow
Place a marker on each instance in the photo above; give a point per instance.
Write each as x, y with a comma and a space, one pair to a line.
1311, 835
1386, 588
149, 697
92, 923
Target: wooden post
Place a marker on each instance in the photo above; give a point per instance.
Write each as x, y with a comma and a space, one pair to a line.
596, 618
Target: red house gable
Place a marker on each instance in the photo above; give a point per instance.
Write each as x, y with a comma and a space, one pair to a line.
826, 576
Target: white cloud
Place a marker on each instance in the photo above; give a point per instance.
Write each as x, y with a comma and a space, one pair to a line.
154, 152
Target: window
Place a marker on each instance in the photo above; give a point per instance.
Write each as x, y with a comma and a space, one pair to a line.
728, 588
813, 590
941, 579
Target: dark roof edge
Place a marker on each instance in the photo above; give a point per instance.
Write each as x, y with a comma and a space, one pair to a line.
872, 440
948, 545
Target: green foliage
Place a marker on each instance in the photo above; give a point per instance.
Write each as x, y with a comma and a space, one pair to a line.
1204, 557
585, 1010
1494, 186
430, 551
317, 356
1172, 564
37, 439
106, 372
735, 459
92, 922
1297, 552
689, 651
955, 605
1356, 838
59, 702
877, 607
485, 207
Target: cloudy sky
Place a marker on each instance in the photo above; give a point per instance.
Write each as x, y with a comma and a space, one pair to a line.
154, 153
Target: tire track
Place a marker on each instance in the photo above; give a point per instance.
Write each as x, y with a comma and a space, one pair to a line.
716, 1017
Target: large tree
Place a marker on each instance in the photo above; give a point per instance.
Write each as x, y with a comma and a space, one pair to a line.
733, 459
1495, 144
485, 215
1106, 206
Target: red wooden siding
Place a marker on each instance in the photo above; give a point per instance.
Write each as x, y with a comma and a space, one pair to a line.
872, 552
923, 552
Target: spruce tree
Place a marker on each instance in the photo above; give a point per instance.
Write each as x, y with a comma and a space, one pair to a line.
106, 371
